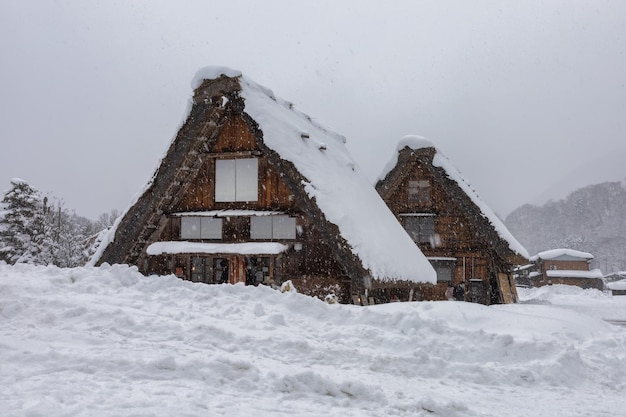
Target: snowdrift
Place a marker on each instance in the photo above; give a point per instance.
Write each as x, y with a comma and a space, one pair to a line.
108, 341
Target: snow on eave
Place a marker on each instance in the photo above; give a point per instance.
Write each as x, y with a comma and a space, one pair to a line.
441, 161
228, 213
338, 186
555, 253
564, 273
247, 248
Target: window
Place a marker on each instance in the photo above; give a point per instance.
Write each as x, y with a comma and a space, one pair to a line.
236, 180
444, 269
420, 228
201, 270
283, 227
419, 191
200, 228
261, 227
272, 227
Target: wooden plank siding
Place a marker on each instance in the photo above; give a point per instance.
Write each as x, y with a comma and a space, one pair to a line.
313, 268
319, 260
460, 230
235, 138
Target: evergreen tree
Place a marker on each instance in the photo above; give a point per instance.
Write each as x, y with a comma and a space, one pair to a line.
44, 232
21, 224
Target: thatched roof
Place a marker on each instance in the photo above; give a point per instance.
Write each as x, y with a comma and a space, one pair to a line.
327, 184
414, 149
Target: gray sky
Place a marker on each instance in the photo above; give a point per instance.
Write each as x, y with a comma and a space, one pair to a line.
527, 99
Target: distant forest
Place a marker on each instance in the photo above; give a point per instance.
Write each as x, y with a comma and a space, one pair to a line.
40, 230
591, 219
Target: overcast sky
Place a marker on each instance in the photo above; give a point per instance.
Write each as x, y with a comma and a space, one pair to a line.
527, 99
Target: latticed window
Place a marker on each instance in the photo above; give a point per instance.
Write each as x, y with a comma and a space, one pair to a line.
420, 227
272, 227
200, 228
444, 269
419, 191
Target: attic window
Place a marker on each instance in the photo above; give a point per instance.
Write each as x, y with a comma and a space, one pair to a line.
272, 227
200, 228
419, 191
236, 180
420, 228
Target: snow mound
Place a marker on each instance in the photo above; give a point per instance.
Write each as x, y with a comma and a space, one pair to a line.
109, 341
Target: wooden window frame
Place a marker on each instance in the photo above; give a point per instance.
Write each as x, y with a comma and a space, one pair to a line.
236, 180
418, 191
424, 226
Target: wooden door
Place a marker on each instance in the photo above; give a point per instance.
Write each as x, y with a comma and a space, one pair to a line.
237, 269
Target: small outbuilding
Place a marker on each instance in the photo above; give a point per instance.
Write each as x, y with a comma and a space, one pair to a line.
566, 266
617, 287
466, 243
253, 191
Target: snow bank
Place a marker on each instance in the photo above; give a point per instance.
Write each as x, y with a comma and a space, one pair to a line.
108, 341
594, 273
591, 302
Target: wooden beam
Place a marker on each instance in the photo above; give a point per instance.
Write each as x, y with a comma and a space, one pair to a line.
238, 154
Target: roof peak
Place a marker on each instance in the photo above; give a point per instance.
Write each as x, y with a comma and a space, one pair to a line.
414, 142
212, 72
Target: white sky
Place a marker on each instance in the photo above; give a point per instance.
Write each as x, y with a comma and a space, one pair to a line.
527, 99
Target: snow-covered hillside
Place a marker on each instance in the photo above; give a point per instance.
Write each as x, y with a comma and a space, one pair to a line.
111, 342
590, 219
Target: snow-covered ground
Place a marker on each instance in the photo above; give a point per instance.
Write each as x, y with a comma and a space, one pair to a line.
111, 342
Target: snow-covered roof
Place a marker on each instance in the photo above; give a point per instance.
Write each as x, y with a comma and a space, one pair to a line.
568, 273
249, 248
440, 160
337, 184
410, 141
559, 253
617, 285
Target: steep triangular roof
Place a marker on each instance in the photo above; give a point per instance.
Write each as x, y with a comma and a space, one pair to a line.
355, 223
410, 149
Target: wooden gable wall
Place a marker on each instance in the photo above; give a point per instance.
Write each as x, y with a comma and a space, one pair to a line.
313, 268
459, 230
236, 140
455, 228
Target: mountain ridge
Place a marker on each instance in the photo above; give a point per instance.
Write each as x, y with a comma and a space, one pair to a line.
590, 219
